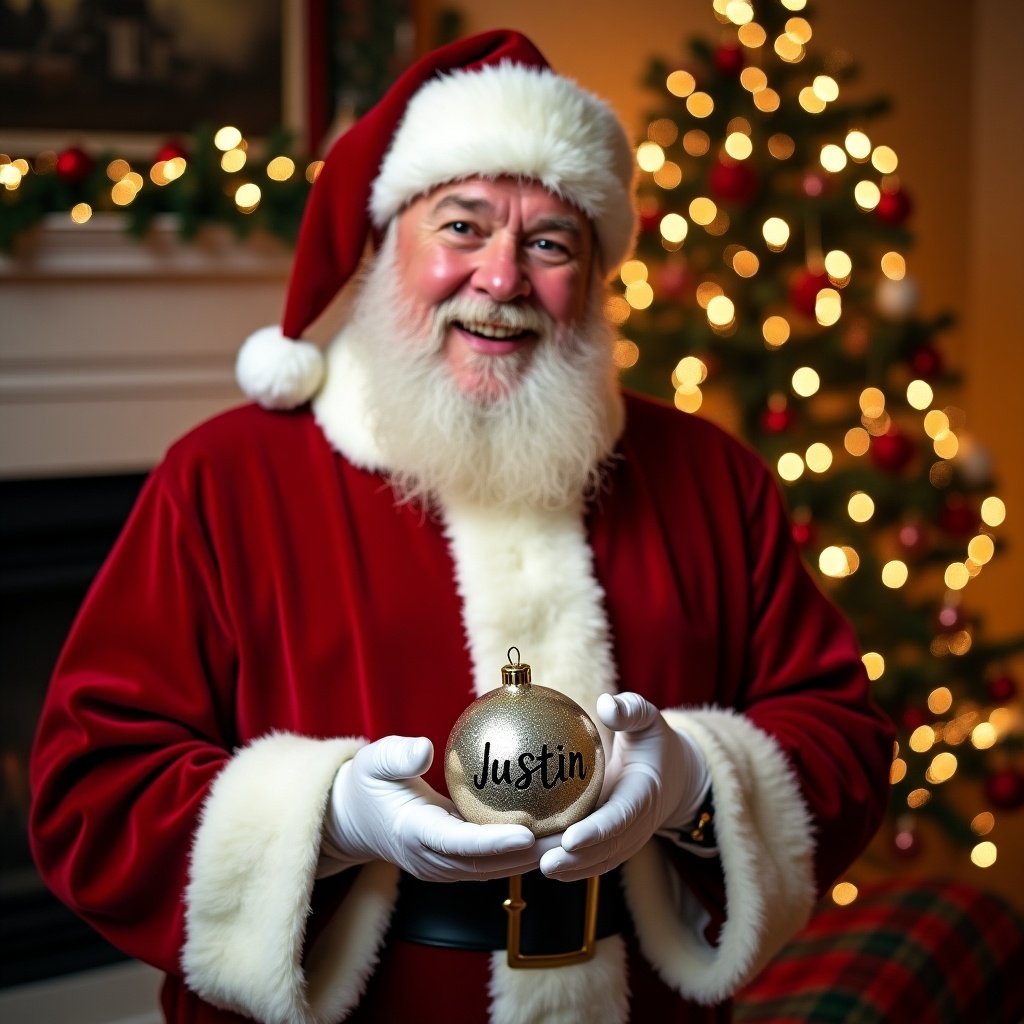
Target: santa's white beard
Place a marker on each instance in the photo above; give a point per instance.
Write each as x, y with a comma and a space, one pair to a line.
536, 431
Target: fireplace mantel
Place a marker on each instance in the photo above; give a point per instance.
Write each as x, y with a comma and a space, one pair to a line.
110, 347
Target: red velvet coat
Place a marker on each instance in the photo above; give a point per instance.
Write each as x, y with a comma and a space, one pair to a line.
268, 591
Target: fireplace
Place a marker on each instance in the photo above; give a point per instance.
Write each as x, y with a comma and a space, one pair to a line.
54, 533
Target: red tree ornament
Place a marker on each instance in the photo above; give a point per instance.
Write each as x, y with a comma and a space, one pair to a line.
906, 844
813, 185
912, 717
733, 182
673, 278
951, 619
729, 60
74, 165
926, 361
1005, 789
894, 207
912, 540
1002, 688
777, 420
804, 288
650, 217
892, 451
803, 532
958, 517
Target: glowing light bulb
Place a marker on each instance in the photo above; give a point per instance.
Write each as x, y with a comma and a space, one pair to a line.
721, 311
858, 145
984, 854
681, 83
776, 233
227, 138
673, 227
247, 197
894, 574
649, 156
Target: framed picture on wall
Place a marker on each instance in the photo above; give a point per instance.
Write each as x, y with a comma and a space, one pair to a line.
129, 73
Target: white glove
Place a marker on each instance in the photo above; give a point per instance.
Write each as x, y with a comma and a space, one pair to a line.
656, 777
380, 809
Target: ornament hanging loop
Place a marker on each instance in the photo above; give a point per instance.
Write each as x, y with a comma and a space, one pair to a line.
516, 673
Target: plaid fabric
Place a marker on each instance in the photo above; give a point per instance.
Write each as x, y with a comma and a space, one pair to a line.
907, 952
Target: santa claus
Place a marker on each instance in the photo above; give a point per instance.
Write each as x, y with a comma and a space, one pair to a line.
234, 776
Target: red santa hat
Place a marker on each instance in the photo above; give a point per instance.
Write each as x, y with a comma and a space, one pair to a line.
484, 106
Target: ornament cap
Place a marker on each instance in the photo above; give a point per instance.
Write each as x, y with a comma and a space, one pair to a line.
515, 673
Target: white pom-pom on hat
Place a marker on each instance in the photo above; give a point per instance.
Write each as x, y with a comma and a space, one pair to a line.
278, 372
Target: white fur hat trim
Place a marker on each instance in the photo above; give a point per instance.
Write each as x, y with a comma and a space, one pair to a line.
278, 372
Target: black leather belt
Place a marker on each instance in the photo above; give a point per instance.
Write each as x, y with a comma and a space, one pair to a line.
543, 925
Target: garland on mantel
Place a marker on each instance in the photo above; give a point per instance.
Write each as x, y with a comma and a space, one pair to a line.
213, 177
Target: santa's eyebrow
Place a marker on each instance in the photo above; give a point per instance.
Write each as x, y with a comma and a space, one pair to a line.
567, 224
464, 203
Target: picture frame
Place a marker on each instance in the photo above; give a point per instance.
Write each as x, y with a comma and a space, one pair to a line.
129, 83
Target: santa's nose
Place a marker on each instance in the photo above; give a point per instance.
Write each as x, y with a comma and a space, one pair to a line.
499, 272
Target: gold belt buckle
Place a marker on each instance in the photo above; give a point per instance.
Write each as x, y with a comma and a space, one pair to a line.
515, 905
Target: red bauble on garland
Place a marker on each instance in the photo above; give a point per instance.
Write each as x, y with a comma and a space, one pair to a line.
1005, 789
894, 207
892, 451
74, 165
733, 182
172, 149
729, 59
804, 288
1002, 688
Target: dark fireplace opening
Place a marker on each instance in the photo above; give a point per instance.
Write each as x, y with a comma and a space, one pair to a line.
54, 535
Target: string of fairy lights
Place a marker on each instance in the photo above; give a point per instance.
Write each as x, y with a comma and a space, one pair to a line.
867, 171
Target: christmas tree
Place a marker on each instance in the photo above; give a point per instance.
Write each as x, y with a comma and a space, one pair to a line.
771, 291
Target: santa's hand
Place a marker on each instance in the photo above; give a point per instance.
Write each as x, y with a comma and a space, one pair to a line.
380, 809
656, 778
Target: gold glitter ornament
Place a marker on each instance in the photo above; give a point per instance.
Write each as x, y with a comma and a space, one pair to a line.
524, 754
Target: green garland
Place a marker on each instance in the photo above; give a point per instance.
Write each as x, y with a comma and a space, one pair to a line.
49, 183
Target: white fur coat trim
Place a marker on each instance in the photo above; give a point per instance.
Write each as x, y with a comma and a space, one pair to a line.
340, 407
766, 846
253, 864
526, 578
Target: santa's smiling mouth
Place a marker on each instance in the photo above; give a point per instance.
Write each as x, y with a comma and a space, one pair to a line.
493, 338
493, 332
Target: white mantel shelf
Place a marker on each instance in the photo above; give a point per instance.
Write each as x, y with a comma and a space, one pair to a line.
111, 347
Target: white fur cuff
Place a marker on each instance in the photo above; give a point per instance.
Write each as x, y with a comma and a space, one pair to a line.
253, 864
766, 846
